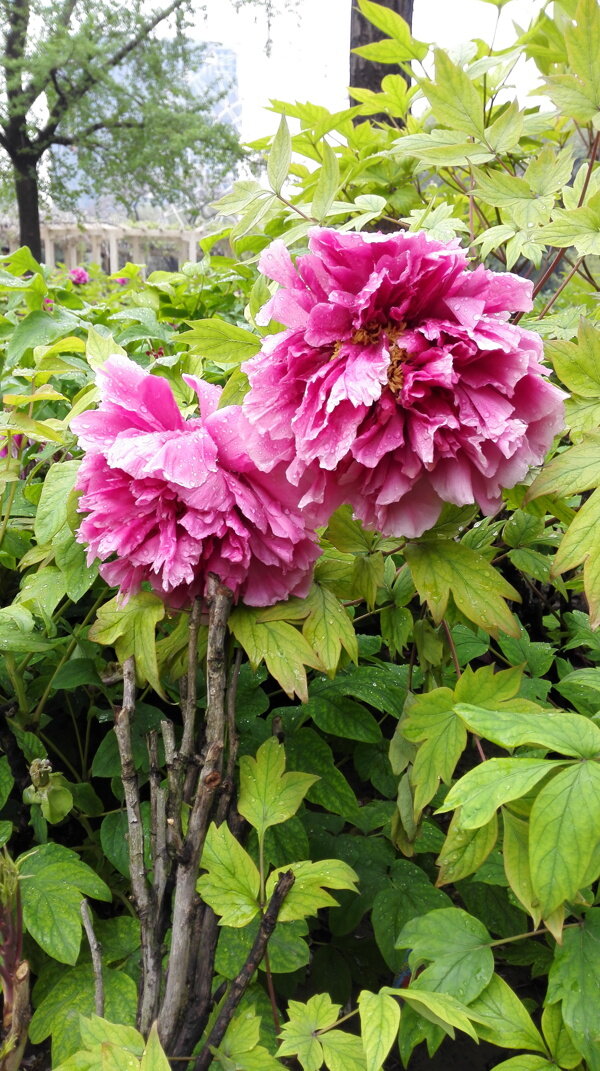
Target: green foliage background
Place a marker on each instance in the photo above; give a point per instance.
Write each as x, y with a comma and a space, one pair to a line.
437, 793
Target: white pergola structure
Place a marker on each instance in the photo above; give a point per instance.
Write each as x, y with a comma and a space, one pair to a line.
77, 239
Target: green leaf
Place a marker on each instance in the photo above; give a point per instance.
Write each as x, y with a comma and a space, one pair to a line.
327, 183
525, 1063
6, 780
432, 723
100, 346
307, 895
130, 630
574, 979
53, 883
154, 1058
410, 895
70, 556
576, 469
582, 38
299, 1034
579, 227
72, 995
516, 863
221, 341
569, 734
283, 649
465, 850
342, 1052
440, 1008
503, 1020
280, 157
444, 567
454, 99
328, 628
269, 796
577, 364
340, 716
564, 834
503, 190
288, 949
457, 947
39, 329
97, 1031
379, 1024
580, 544
482, 790
391, 23
559, 1042
231, 883
54, 502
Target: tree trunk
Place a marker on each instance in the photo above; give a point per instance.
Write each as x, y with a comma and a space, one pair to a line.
28, 202
364, 74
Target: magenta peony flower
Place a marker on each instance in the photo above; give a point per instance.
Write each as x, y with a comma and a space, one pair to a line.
171, 500
79, 276
121, 280
399, 384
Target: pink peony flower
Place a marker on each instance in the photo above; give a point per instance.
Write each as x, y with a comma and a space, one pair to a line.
12, 443
170, 500
79, 276
399, 383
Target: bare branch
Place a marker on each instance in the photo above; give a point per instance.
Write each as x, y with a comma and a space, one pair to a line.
96, 952
143, 893
242, 981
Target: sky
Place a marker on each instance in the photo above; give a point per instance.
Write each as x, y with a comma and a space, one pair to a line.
309, 54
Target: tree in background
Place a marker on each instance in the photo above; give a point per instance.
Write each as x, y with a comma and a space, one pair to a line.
367, 67
96, 78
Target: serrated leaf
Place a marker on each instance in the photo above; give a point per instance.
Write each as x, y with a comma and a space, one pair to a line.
231, 883
280, 157
269, 796
299, 1035
221, 341
574, 979
482, 790
328, 628
283, 649
379, 1022
130, 629
453, 97
391, 23
564, 835
307, 895
444, 567
577, 364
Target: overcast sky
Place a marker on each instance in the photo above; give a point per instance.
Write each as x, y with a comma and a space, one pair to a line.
309, 56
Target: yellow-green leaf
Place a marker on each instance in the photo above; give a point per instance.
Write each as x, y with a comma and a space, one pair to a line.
130, 629
379, 1023
269, 796
283, 649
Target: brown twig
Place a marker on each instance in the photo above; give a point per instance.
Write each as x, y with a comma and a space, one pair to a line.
232, 741
186, 903
567, 279
158, 825
141, 888
96, 953
241, 982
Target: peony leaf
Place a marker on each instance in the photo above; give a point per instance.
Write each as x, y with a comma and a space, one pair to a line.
268, 796
516, 863
454, 99
231, 883
443, 567
221, 341
457, 947
574, 979
280, 158
130, 629
482, 790
503, 1020
464, 850
568, 734
283, 649
328, 628
564, 835
580, 544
